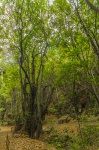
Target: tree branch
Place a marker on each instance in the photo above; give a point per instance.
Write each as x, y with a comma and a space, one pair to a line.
94, 46
96, 9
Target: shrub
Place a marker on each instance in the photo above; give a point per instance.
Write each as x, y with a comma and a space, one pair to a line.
60, 141
65, 141
90, 136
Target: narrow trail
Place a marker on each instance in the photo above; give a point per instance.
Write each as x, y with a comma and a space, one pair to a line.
20, 143
3, 133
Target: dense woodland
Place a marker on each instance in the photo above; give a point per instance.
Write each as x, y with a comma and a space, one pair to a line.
49, 61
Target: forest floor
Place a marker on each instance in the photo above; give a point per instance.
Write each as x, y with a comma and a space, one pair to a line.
17, 142
21, 142
73, 128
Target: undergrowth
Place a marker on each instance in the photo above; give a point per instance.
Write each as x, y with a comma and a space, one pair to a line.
66, 141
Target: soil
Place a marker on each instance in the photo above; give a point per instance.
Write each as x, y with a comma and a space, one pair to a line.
19, 142
8, 141
51, 120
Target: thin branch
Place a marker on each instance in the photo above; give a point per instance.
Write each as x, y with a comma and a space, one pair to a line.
96, 9
26, 75
95, 38
95, 49
41, 64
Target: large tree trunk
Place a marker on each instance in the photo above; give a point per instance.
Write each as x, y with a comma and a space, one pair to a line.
31, 120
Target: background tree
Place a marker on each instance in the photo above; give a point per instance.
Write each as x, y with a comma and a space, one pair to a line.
48, 58
31, 33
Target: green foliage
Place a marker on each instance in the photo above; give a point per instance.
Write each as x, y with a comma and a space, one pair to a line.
1, 109
0, 123
52, 110
90, 136
43, 46
83, 118
10, 121
60, 141
63, 140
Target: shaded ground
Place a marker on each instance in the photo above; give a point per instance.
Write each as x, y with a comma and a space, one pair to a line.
72, 126
19, 143
3, 134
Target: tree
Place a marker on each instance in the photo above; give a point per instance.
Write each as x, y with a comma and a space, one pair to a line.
50, 52
30, 30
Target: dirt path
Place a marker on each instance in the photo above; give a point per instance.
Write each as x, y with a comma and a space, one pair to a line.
3, 133
19, 143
